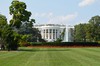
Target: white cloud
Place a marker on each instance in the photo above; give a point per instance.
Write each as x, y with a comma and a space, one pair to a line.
42, 14
62, 19
86, 3
20, 0
51, 18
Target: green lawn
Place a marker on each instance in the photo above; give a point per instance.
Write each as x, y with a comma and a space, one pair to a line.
51, 57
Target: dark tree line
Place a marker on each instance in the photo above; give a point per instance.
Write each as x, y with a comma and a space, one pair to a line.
88, 32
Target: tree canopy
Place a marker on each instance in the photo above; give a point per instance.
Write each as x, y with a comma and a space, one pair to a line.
3, 23
20, 14
89, 32
21, 21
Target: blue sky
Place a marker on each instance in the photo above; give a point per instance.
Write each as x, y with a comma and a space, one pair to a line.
68, 12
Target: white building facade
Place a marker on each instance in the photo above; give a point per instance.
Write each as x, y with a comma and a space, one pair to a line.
50, 32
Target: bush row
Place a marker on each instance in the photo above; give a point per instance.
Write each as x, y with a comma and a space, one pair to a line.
61, 44
79, 44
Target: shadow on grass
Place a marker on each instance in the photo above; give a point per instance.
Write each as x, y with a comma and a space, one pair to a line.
43, 50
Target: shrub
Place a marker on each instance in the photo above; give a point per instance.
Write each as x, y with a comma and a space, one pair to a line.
24, 44
64, 44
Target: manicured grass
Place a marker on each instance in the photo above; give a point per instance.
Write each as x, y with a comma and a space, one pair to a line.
51, 57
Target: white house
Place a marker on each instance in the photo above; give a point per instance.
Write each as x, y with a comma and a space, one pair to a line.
50, 32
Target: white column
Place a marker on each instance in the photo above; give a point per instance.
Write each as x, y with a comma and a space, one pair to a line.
59, 33
48, 33
42, 33
55, 34
45, 33
52, 34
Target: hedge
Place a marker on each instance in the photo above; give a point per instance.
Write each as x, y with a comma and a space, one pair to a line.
63, 44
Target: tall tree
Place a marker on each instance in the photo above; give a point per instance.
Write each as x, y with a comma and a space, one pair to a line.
80, 33
21, 20
20, 14
95, 28
3, 23
11, 38
90, 31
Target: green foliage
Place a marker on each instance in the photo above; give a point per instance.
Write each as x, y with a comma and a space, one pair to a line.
8, 38
22, 24
21, 20
61, 44
89, 32
95, 28
33, 33
24, 44
24, 37
80, 33
3, 23
58, 40
20, 14
24, 40
11, 38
